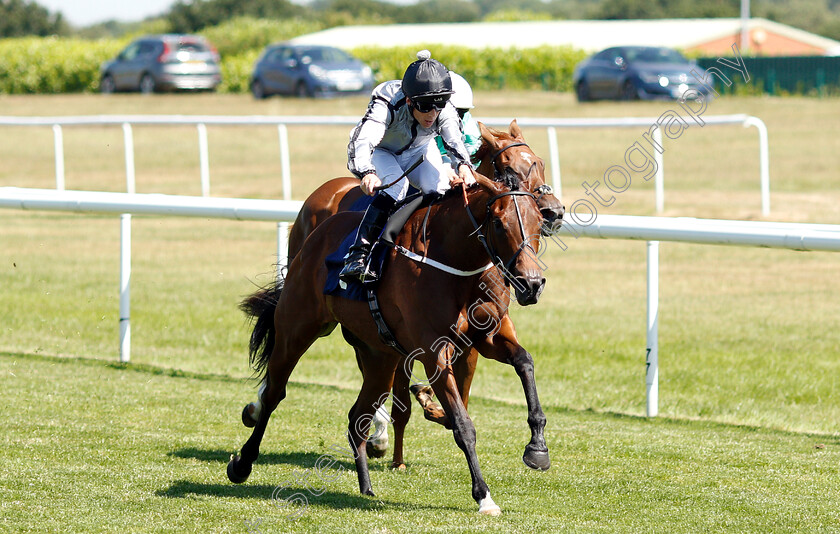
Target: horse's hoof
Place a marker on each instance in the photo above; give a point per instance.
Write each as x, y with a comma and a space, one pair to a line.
233, 476
398, 466
374, 452
536, 459
487, 507
369, 492
247, 419
422, 393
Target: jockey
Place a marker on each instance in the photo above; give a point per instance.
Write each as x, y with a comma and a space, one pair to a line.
462, 99
400, 125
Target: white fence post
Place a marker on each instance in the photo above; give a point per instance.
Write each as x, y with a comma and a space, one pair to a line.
59, 157
652, 359
125, 250
763, 161
286, 179
554, 156
285, 168
125, 287
659, 179
128, 139
203, 159
282, 247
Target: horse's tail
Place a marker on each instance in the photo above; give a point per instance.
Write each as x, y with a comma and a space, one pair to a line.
259, 308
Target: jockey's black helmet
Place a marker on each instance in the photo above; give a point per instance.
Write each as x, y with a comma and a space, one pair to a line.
427, 80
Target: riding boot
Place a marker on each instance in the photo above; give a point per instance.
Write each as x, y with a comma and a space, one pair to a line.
355, 263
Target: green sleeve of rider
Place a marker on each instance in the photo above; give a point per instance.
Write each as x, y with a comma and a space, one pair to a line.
472, 134
439, 141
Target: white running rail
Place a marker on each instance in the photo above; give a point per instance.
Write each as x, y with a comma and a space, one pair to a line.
796, 236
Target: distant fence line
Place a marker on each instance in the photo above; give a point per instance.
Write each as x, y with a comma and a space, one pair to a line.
800, 75
281, 122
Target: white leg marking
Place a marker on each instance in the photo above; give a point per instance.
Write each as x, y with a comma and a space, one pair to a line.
255, 408
379, 440
487, 507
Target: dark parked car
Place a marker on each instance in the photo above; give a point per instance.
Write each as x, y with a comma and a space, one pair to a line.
163, 62
309, 70
634, 72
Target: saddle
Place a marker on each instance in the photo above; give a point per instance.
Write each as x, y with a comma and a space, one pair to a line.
335, 261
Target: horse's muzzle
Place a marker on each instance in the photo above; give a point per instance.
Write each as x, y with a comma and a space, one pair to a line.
528, 288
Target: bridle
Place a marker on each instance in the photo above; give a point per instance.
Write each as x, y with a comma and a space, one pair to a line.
542, 190
488, 246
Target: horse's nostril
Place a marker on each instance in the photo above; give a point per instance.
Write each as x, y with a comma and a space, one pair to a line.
552, 214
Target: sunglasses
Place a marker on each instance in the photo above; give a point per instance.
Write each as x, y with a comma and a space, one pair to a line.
425, 107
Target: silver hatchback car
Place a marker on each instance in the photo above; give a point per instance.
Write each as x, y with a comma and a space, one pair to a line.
161, 63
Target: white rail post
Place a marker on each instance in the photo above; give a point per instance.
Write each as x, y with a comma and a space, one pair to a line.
554, 156
125, 287
763, 161
203, 159
652, 359
285, 169
286, 182
282, 247
128, 139
659, 179
59, 157
125, 250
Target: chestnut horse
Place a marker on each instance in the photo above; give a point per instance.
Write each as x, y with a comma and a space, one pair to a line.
500, 154
435, 314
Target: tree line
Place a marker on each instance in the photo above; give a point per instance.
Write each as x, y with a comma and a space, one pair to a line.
26, 17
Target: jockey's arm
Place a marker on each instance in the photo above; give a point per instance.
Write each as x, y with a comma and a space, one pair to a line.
367, 135
450, 132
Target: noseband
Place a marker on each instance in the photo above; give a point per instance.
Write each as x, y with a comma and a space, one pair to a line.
491, 250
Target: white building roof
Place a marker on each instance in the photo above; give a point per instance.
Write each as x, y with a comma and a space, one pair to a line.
588, 35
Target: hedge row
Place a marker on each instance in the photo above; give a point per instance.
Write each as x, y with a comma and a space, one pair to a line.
59, 65
546, 67
53, 65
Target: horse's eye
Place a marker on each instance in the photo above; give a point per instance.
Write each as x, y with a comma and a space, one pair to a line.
498, 225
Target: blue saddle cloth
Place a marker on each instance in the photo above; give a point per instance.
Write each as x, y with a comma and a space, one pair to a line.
335, 262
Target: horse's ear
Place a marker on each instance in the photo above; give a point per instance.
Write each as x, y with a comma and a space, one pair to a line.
486, 134
515, 131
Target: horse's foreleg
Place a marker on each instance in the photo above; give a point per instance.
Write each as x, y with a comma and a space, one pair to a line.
463, 430
506, 348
